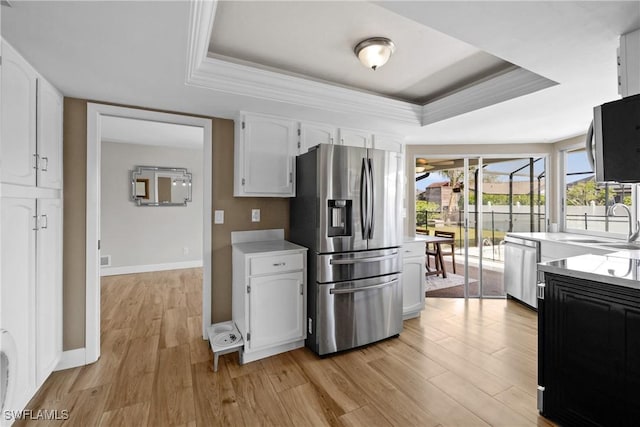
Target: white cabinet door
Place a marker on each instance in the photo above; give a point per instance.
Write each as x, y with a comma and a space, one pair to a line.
18, 130
49, 136
388, 143
267, 147
18, 288
312, 134
355, 138
276, 309
413, 286
48, 288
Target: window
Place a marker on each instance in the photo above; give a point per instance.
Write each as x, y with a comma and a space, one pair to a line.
586, 201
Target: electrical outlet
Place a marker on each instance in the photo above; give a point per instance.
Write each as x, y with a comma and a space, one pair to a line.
185, 251
255, 215
218, 217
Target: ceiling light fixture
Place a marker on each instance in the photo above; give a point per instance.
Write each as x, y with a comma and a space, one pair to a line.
374, 52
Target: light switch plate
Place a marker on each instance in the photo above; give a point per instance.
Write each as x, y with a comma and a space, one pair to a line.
255, 215
218, 217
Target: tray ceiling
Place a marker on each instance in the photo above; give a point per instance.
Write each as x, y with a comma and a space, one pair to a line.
315, 40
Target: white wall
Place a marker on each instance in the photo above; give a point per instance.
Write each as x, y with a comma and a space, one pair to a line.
138, 236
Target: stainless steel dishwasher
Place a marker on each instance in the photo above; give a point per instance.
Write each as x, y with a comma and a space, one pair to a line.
521, 258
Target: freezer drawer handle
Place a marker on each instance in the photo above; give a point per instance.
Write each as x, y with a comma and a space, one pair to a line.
365, 288
361, 260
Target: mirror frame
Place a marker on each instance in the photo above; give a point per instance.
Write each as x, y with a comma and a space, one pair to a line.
137, 172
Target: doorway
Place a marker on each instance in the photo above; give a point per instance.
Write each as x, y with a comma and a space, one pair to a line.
476, 201
97, 115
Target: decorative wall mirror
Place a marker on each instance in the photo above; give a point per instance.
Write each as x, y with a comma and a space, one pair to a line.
160, 186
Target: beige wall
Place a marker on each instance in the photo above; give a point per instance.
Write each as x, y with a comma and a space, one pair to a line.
274, 214
75, 202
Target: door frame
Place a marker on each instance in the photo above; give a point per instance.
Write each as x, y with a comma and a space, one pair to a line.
95, 112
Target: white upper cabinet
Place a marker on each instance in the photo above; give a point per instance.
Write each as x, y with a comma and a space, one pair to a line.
388, 143
266, 148
264, 156
31, 131
355, 138
49, 145
18, 130
413, 279
312, 134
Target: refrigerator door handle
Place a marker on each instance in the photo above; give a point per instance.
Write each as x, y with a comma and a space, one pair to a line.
363, 191
371, 200
362, 289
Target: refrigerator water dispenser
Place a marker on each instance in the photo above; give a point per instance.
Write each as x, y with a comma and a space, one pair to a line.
340, 218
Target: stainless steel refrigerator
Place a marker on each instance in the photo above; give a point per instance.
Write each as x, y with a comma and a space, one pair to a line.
347, 212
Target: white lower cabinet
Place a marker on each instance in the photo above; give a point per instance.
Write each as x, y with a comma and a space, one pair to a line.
285, 291
48, 288
413, 279
269, 297
31, 291
18, 294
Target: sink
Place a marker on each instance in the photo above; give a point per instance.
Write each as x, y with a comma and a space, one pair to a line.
628, 246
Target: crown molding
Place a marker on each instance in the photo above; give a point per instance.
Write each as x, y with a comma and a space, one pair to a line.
239, 79
201, 15
500, 87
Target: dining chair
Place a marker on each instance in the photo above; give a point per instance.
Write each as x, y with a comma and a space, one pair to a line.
431, 251
452, 246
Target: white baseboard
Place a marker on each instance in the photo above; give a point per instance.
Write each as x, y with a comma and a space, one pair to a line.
132, 269
71, 359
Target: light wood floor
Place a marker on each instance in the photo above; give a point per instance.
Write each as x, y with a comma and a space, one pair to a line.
462, 363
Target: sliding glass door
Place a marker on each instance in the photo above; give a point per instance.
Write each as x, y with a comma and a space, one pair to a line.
475, 202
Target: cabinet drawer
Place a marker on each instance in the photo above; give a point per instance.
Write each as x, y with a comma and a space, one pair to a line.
276, 264
413, 249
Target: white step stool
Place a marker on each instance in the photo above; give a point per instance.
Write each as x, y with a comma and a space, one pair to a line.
224, 338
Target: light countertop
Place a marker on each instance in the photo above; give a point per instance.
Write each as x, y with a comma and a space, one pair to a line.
267, 246
621, 247
569, 238
413, 239
617, 267
621, 268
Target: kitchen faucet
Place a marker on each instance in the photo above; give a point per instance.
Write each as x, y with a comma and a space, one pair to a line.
633, 234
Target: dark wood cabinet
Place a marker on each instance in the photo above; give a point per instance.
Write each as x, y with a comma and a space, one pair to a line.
589, 352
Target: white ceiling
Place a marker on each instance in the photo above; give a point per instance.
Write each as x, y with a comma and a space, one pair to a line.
316, 39
114, 52
145, 132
